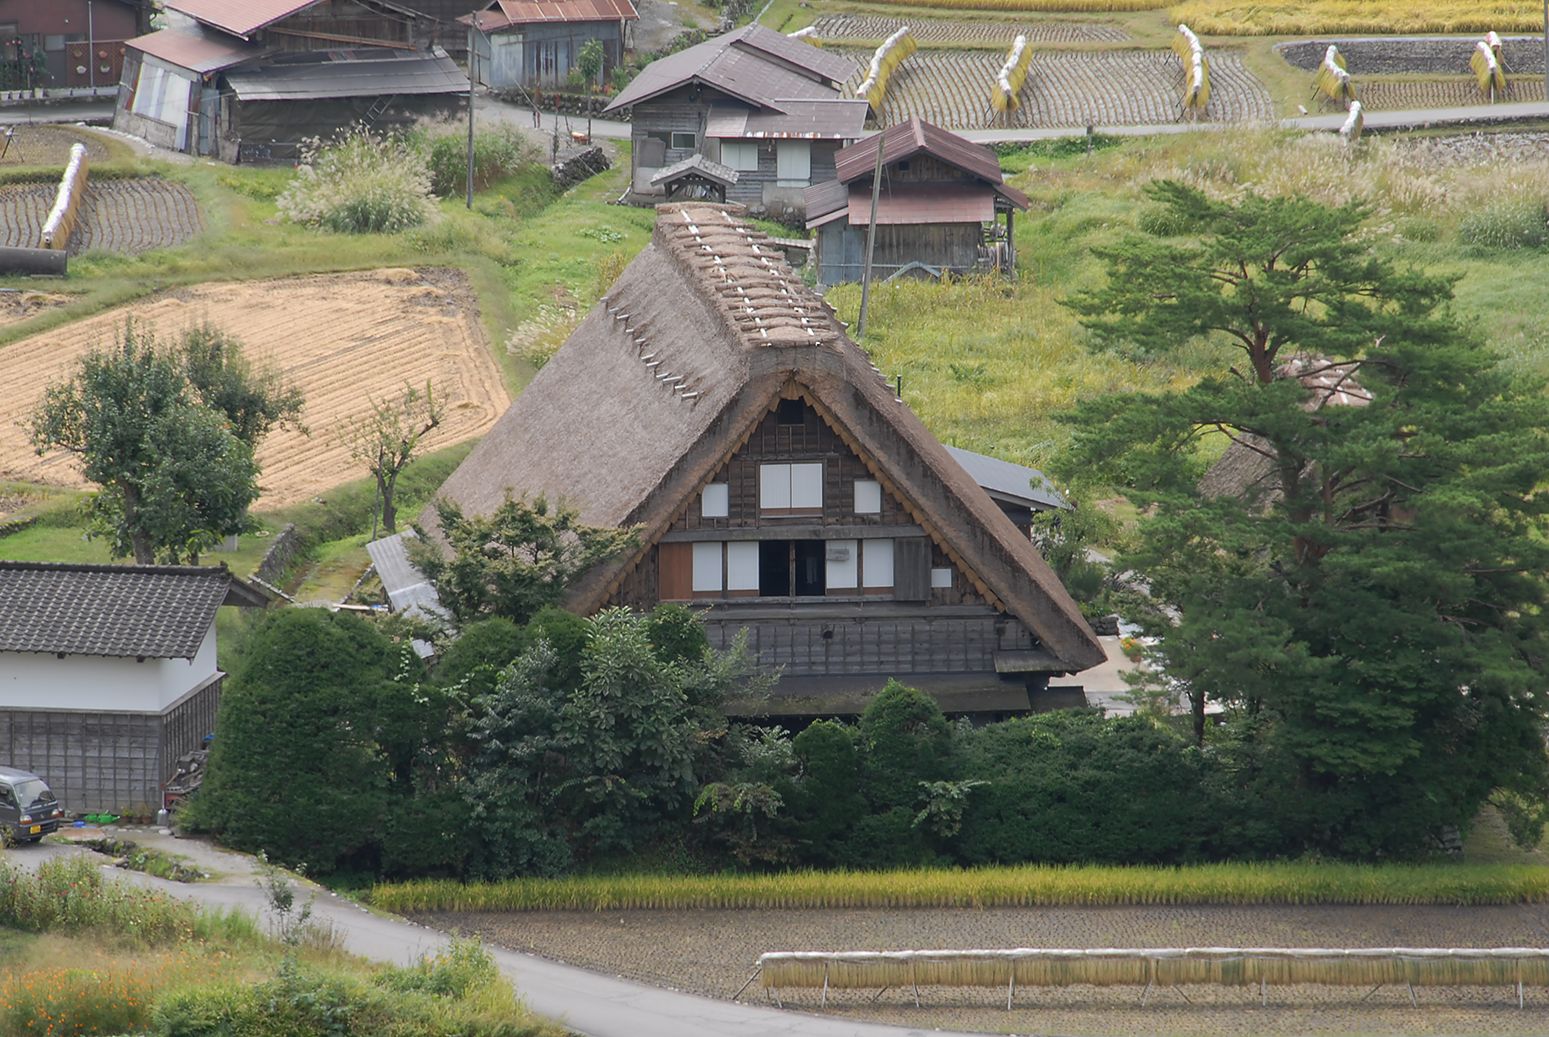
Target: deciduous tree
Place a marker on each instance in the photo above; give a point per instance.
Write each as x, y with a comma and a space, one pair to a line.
168, 436
385, 441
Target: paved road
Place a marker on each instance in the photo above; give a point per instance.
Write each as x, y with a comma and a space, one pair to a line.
592, 1004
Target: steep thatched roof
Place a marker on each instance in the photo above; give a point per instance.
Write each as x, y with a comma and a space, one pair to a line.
669, 375
1248, 469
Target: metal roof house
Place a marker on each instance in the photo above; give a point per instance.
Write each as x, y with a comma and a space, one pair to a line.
712, 401
525, 44
108, 675
764, 105
74, 47
249, 80
942, 206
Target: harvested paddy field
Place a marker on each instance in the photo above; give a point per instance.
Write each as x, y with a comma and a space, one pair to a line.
48, 144
345, 340
124, 216
965, 32
1067, 88
1389, 93
713, 952
19, 304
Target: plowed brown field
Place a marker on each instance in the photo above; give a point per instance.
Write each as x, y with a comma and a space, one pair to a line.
345, 339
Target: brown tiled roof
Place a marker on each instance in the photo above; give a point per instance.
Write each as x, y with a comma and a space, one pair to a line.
502, 14
752, 64
199, 50
912, 137
151, 612
693, 344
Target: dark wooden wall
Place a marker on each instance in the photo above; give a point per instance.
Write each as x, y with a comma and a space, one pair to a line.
112, 762
841, 249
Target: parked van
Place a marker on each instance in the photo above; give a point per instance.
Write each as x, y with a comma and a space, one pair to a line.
28, 809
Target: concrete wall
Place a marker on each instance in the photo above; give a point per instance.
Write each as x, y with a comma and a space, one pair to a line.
31, 680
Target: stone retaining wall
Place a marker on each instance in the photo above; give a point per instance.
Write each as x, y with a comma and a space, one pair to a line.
1438, 55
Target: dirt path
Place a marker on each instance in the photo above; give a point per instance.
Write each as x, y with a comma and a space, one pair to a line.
345, 339
712, 953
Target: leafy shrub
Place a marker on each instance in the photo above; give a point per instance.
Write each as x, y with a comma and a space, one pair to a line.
456, 972
676, 634
480, 652
827, 801
458, 997
1071, 786
296, 771
359, 183
907, 741
69, 895
1518, 222
497, 154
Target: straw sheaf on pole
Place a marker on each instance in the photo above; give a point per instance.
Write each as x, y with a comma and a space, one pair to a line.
1488, 71
1332, 81
1196, 70
888, 57
1355, 123
1006, 94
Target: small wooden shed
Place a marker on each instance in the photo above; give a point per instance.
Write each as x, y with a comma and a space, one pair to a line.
943, 206
696, 177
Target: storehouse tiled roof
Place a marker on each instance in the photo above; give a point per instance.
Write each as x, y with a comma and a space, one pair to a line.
150, 612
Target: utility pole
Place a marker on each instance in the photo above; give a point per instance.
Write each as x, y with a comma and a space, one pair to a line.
473, 62
871, 237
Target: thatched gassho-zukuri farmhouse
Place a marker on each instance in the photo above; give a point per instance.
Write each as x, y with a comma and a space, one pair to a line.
713, 400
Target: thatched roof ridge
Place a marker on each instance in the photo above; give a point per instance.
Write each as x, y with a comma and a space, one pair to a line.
716, 306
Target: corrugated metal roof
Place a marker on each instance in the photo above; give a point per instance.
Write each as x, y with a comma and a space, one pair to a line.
724, 175
407, 589
357, 73
913, 137
924, 203
1004, 479
199, 51
243, 17
825, 119
826, 202
503, 14
745, 65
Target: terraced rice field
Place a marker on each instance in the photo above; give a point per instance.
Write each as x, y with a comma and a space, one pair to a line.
1067, 88
965, 32
46, 144
1393, 94
343, 339
124, 216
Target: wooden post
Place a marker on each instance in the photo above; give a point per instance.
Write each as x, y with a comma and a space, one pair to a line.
472, 62
871, 238
1011, 243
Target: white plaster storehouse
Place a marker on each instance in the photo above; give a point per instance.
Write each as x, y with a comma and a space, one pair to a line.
108, 675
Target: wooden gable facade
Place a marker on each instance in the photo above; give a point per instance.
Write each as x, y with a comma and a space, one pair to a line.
712, 402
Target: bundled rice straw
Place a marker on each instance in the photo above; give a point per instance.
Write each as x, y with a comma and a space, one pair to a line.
1006, 95
1487, 69
1196, 69
888, 57
1333, 81
803, 33
1355, 122
1228, 966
